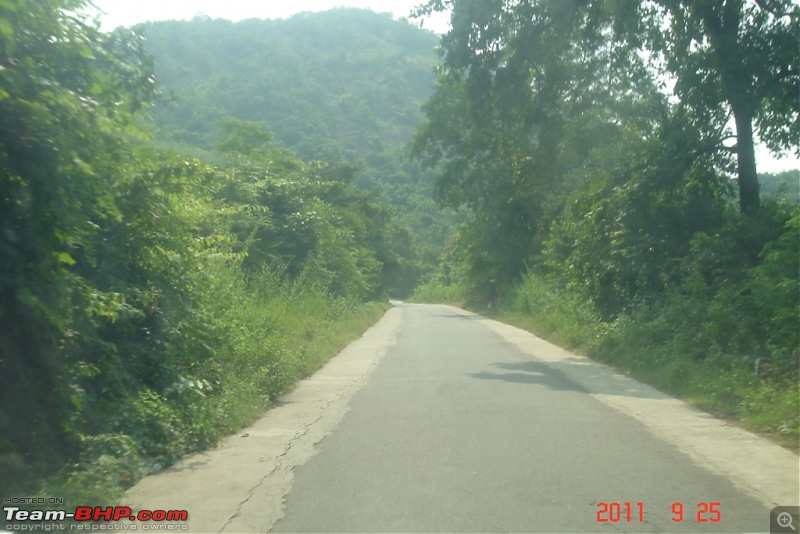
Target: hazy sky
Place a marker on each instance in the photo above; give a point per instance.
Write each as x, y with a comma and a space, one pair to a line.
130, 12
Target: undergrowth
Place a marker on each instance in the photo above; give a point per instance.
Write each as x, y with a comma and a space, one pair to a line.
266, 334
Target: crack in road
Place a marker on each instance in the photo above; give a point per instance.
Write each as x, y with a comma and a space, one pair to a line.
279, 463
302, 444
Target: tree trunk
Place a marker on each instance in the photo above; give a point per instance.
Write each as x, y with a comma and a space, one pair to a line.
722, 22
749, 200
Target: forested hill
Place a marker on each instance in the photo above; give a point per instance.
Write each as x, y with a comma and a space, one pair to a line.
342, 84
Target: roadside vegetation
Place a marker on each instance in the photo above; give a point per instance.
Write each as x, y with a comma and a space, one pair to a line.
619, 215
152, 302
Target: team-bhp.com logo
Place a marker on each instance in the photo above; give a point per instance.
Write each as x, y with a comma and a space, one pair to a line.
93, 518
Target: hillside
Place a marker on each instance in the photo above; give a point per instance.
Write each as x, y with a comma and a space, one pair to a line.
342, 85
784, 184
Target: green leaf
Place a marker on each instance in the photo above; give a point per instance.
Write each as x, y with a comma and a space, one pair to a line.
6, 30
63, 257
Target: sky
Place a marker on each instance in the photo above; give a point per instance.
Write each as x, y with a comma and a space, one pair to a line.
130, 12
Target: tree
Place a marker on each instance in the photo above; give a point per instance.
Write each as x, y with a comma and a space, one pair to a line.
736, 57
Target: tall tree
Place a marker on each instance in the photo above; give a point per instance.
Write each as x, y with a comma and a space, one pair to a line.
739, 56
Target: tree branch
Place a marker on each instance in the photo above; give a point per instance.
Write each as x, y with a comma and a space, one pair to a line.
766, 7
782, 74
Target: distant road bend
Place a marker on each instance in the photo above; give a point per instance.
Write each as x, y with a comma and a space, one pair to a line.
440, 420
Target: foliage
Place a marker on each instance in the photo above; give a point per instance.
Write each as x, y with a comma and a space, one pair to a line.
434, 291
678, 346
317, 222
621, 240
727, 335
746, 276
65, 90
563, 315
151, 302
724, 335
345, 82
524, 97
782, 185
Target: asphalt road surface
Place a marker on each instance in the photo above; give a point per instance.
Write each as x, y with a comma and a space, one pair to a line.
449, 422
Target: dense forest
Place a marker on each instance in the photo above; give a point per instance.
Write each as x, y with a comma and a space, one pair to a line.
195, 214
604, 153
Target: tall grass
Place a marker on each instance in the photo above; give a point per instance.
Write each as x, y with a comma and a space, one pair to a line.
566, 318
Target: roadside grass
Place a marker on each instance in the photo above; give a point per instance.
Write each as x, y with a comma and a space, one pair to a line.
731, 391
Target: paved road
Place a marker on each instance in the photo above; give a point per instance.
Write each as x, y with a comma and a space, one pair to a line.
461, 424
458, 430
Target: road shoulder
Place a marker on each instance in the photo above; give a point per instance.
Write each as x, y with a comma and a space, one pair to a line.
240, 485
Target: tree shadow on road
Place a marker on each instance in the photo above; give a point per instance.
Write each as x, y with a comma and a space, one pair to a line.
590, 377
531, 373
